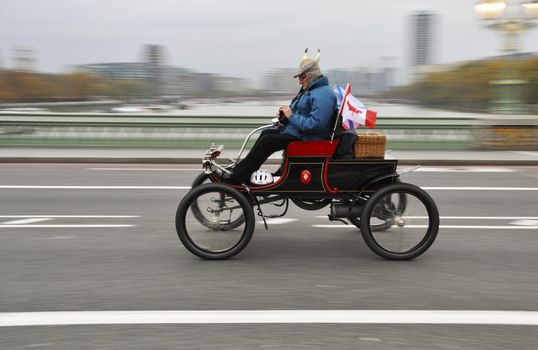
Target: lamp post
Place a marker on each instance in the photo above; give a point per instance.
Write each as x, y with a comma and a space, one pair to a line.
510, 19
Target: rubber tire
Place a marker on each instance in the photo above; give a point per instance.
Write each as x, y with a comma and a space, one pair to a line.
199, 180
248, 217
433, 214
381, 227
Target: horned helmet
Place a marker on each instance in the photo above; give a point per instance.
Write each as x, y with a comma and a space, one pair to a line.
309, 67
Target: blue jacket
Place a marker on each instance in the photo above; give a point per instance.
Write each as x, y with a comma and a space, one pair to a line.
312, 112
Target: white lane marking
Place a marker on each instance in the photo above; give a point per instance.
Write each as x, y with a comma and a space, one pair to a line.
444, 227
96, 187
479, 227
525, 222
25, 221
462, 170
38, 345
29, 220
481, 217
69, 216
477, 317
534, 154
480, 188
67, 226
468, 217
144, 169
277, 221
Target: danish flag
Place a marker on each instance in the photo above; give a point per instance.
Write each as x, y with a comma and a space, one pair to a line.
354, 113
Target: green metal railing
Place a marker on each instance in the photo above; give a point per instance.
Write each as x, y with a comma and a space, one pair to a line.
162, 130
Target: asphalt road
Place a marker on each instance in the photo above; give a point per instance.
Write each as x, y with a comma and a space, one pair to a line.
86, 237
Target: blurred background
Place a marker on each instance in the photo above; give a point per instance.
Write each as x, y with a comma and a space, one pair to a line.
441, 74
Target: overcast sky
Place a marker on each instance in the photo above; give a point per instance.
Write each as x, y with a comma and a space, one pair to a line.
243, 38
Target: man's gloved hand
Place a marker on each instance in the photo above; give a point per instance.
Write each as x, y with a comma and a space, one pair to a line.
282, 117
284, 112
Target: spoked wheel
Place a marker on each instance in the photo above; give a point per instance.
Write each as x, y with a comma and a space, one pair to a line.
408, 230
398, 202
311, 204
199, 180
207, 221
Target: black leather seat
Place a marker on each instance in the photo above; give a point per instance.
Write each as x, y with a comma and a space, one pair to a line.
345, 148
347, 138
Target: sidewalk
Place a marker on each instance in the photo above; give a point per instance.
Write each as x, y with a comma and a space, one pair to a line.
193, 156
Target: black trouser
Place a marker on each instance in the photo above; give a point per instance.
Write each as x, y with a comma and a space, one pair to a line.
269, 142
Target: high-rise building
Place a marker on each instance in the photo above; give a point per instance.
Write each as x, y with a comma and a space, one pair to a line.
423, 27
423, 38
153, 57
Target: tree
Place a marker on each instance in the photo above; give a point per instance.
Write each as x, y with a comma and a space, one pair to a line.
469, 85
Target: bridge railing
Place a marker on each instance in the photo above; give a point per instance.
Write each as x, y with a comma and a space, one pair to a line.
43, 129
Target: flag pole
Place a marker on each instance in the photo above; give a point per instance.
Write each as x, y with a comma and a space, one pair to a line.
346, 94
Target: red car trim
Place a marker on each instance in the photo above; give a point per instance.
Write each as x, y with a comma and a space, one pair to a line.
325, 182
324, 148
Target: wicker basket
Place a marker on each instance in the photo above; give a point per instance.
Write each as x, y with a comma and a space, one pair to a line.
370, 145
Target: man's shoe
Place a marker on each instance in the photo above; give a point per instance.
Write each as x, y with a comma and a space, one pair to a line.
224, 176
278, 172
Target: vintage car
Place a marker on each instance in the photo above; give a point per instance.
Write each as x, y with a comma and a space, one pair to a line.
398, 221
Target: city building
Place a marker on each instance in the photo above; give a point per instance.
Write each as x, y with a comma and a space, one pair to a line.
237, 86
364, 80
281, 80
172, 81
153, 59
116, 71
423, 26
24, 58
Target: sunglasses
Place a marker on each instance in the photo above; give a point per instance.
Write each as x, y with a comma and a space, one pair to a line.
302, 77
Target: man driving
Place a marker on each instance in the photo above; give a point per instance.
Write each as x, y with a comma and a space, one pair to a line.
309, 117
